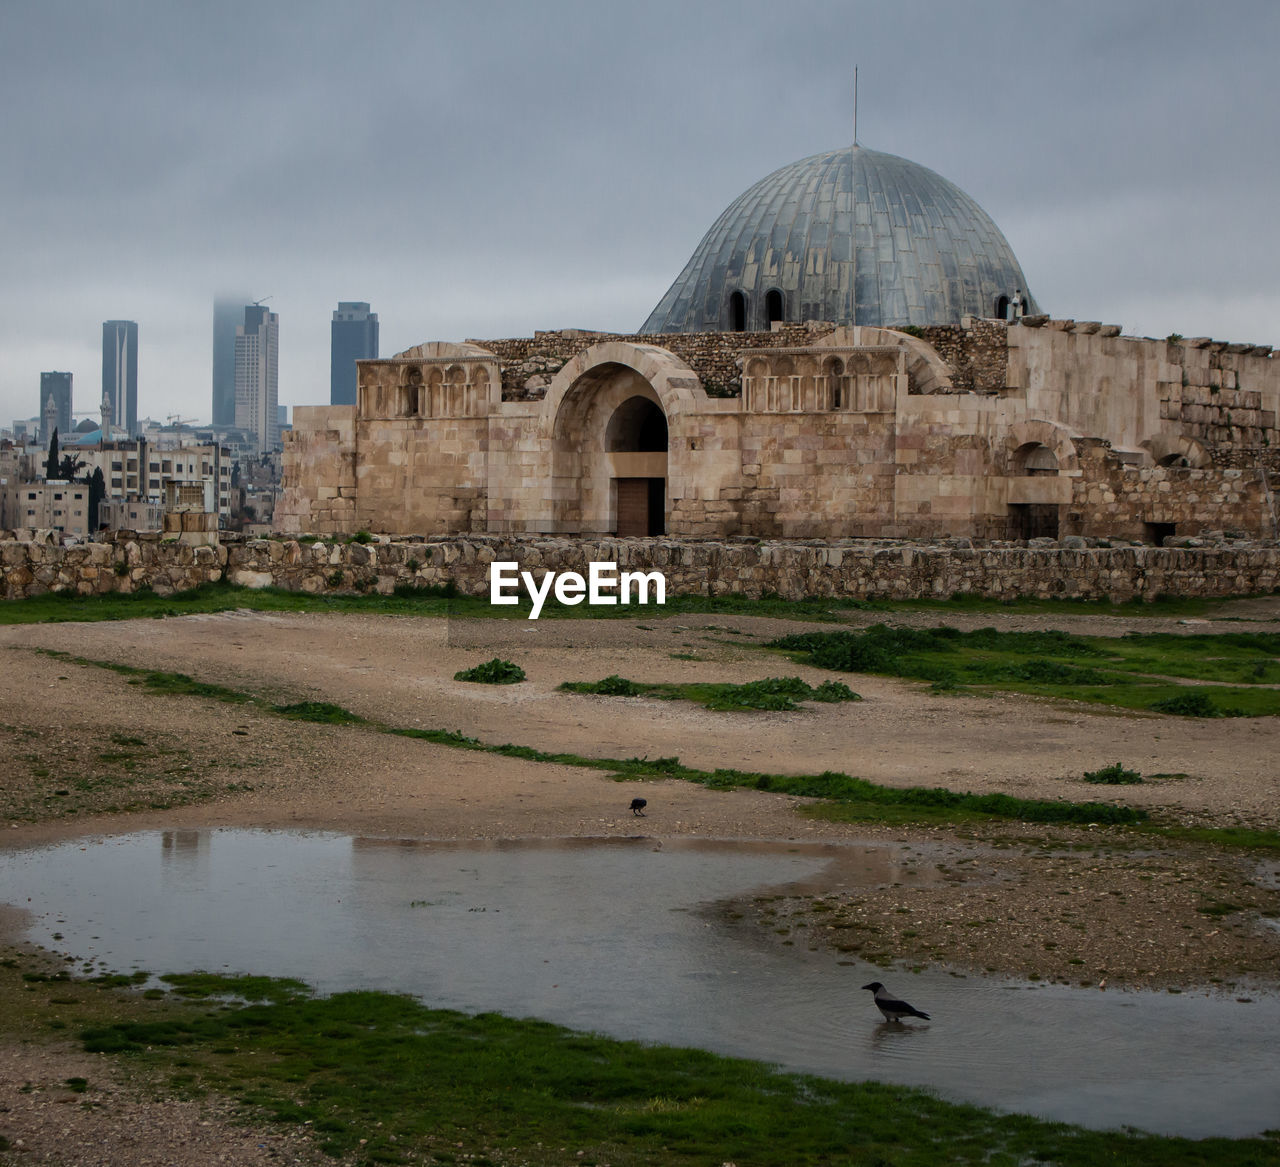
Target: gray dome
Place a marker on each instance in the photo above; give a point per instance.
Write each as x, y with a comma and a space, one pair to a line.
916, 250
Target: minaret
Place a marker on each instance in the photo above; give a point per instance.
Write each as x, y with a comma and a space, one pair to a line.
106, 417
50, 420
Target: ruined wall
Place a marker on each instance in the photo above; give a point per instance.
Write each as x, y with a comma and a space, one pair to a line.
318, 471
977, 351
529, 363
862, 570
1131, 390
1113, 498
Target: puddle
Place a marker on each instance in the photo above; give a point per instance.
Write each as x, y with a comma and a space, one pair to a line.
621, 937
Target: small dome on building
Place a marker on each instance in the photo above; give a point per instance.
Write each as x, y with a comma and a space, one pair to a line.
852, 236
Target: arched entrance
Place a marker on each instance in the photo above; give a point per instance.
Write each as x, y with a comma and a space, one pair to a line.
636, 438
615, 412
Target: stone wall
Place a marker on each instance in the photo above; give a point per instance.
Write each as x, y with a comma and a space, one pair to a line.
820, 433
977, 351
850, 568
529, 363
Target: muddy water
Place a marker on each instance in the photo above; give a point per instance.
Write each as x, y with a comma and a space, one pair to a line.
625, 937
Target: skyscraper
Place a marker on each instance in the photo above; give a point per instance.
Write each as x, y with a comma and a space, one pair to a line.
120, 372
257, 362
228, 313
353, 337
57, 386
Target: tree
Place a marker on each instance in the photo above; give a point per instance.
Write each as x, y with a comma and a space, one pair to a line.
97, 492
51, 465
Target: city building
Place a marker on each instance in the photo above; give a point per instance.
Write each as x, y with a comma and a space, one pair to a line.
852, 351
130, 514
52, 505
120, 373
56, 387
353, 336
228, 314
257, 365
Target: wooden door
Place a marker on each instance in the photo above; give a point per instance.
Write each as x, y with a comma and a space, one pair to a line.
633, 506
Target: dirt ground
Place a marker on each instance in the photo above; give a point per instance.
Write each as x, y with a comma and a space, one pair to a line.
83, 751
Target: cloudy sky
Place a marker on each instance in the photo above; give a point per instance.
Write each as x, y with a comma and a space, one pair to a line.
484, 168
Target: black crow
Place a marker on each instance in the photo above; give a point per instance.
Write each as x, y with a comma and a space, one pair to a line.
638, 805
891, 1007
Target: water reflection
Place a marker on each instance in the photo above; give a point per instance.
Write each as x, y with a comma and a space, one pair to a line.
622, 937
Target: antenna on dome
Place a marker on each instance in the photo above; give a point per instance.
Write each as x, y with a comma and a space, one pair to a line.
855, 105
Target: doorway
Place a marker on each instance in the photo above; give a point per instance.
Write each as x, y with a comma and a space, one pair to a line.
642, 504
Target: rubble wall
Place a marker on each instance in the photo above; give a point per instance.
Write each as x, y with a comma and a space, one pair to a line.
860, 569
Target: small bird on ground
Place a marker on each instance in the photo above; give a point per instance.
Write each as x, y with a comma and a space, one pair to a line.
638, 805
891, 1007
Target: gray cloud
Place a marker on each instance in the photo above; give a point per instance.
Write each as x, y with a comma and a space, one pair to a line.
485, 169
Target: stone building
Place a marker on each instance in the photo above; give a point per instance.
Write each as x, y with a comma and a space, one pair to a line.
852, 351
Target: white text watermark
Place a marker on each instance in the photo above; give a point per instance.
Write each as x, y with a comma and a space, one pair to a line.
603, 584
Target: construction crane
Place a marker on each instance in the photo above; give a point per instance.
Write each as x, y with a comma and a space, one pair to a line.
174, 419
259, 303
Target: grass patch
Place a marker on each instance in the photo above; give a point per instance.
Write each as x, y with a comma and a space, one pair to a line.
407, 599
321, 712
384, 1079
493, 672
1152, 672
778, 694
443, 600
1113, 775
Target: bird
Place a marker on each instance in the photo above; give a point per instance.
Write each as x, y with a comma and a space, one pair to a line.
638, 805
891, 1007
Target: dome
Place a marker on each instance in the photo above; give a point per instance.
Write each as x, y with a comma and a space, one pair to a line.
913, 249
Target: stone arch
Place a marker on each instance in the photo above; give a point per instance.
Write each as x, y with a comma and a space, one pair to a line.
638, 425
1025, 436
674, 384
775, 307
1176, 450
435, 391
591, 403
926, 371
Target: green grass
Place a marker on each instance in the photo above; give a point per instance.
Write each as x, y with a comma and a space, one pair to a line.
384, 1079
443, 600
493, 672
1113, 775
778, 694
406, 600
1132, 672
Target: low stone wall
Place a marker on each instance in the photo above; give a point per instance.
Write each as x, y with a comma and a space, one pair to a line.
793, 569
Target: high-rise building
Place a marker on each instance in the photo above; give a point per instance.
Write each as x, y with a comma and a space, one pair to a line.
353, 337
58, 387
228, 313
120, 372
257, 365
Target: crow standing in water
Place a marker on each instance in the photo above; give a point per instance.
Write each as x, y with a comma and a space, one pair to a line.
891, 1007
638, 805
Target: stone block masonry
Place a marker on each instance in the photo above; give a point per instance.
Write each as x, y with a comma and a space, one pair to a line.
854, 569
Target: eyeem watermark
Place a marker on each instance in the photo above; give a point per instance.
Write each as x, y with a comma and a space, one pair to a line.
603, 584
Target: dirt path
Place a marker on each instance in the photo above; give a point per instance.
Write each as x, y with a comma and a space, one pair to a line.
400, 670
